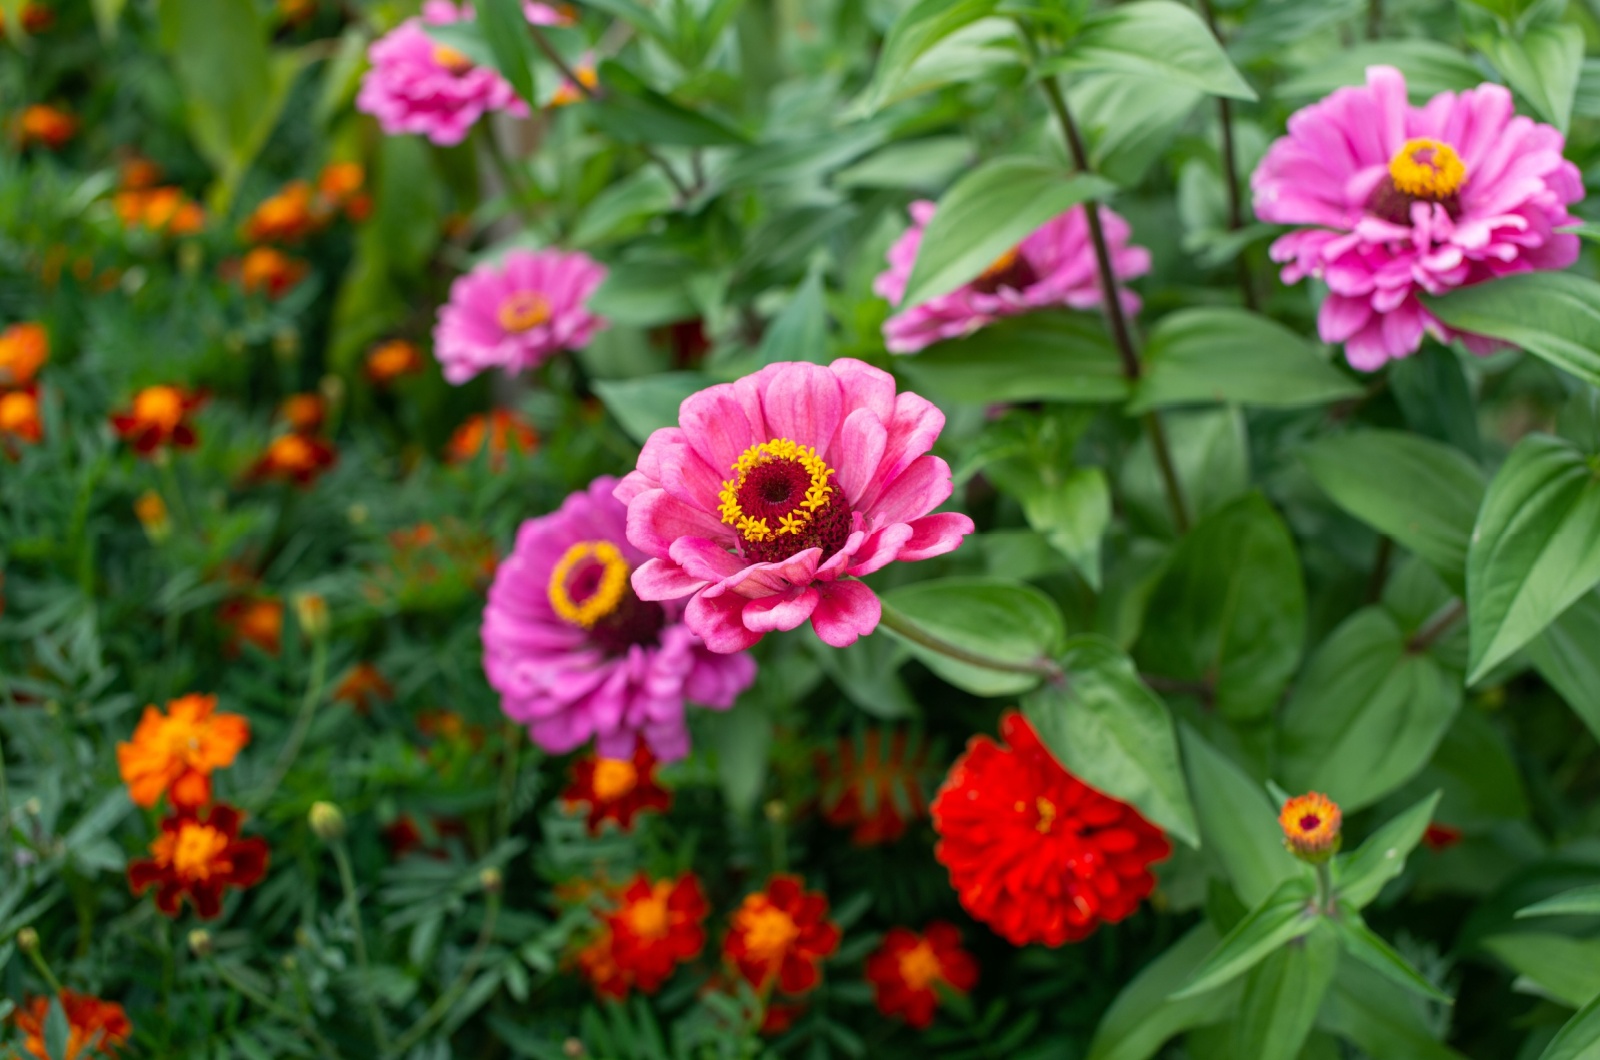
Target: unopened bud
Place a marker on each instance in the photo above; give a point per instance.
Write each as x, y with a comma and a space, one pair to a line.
777, 811
357, 514
573, 1048
312, 612
1311, 824
28, 940
152, 513
326, 821
286, 344
491, 880
200, 942
332, 389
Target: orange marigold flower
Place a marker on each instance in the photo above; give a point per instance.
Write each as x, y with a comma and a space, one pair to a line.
175, 753
253, 620
19, 416
501, 429
361, 686
616, 789
780, 935
1034, 852
136, 173
36, 18
94, 1027
390, 360
199, 856
339, 187
296, 458
905, 970
166, 210
655, 927
151, 511
287, 217
296, 12
24, 348
159, 416
303, 413
872, 785
269, 271
47, 126
1311, 827
1441, 836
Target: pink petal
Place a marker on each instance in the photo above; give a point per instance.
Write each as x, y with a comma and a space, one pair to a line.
848, 610
662, 579
719, 623
922, 487
773, 613
656, 519
880, 549
804, 403
934, 535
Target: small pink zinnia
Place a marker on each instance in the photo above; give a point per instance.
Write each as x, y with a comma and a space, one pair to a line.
417, 85
1053, 266
575, 654
776, 492
1406, 199
517, 314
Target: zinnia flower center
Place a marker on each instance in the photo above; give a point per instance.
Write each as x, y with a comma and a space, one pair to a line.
193, 851
614, 778
1310, 822
768, 932
1423, 170
589, 588
920, 967
647, 917
159, 406
781, 503
523, 311
451, 60
1010, 269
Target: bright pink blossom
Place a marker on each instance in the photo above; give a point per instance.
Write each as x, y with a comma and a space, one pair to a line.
517, 314
1054, 266
575, 654
1399, 200
775, 493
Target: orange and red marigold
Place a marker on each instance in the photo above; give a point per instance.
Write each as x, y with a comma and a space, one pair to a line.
159, 416
269, 271
655, 927
199, 856
1311, 827
780, 936
19, 416
175, 753
47, 126
906, 970
24, 348
94, 1027
295, 457
361, 687
391, 360
253, 620
616, 789
501, 430
873, 786
1033, 852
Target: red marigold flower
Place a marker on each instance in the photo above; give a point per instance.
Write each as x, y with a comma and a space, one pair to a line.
1441, 836
597, 960
390, 360
616, 789
175, 753
362, 686
1311, 827
199, 856
269, 271
654, 928
905, 969
158, 416
49, 127
872, 785
501, 430
286, 217
19, 416
257, 620
303, 413
24, 348
296, 458
166, 210
339, 187
1034, 852
780, 935
95, 1027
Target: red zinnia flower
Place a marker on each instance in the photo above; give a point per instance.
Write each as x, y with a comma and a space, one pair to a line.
906, 968
296, 458
159, 416
269, 271
1034, 852
616, 789
198, 856
878, 792
95, 1027
655, 927
47, 126
284, 217
780, 935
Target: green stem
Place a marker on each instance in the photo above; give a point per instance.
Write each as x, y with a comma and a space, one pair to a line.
347, 882
250, 993
43, 968
1324, 889
903, 626
302, 721
1436, 627
447, 1000
518, 186
512, 738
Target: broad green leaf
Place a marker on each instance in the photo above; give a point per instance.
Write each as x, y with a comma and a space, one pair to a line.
1128, 121
987, 213
1283, 916
1047, 356
505, 28
1282, 996
925, 164
1476, 772
636, 14
988, 49
1429, 66
645, 294
1432, 390
741, 738
1553, 315
1565, 968
919, 28
625, 208
1367, 713
1386, 1023
1073, 515
464, 37
1238, 822
1362, 873
1232, 355
632, 111
1008, 622
1154, 38
1535, 550
1230, 610
1422, 493
1582, 901
800, 332
1565, 656
801, 160
107, 13
1141, 1019
1106, 728
647, 404
57, 1031
1579, 1039
1212, 454
1366, 947
1543, 66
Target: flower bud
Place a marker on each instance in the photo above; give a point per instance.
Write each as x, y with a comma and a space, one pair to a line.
574, 1048
152, 513
326, 821
777, 811
200, 943
491, 880
286, 344
332, 389
28, 940
1311, 827
357, 514
311, 610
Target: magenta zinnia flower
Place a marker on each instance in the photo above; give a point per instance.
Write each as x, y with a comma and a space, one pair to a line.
1053, 266
1402, 199
575, 654
776, 492
517, 314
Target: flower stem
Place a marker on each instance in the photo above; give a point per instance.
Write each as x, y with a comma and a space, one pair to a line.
42, 966
1324, 889
347, 881
1436, 627
302, 721
903, 626
512, 738
250, 993
1230, 170
447, 1000
516, 181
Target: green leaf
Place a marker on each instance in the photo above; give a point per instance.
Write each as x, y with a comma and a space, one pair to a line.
1008, 622
1154, 38
1212, 454
1142, 1018
57, 1031
987, 213
1420, 492
1535, 550
1579, 1038
1128, 121
625, 208
1372, 951
1565, 657
649, 403
1367, 713
1238, 822
1581, 901
1230, 610
868, 672
1233, 355
800, 332
1429, 67
1361, 874
1046, 356
505, 28
1432, 390
634, 112
1386, 1023
1543, 65
1566, 969
1283, 994
1553, 315
1106, 728
464, 37
1073, 515
1282, 917
741, 738
920, 27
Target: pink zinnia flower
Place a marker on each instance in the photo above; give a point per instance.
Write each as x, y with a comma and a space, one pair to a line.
575, 654
776, 492
517, 314
1053, 266
1409, 199
417, 85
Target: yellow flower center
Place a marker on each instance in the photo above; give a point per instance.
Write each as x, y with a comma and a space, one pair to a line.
523, 311
160, 406
450, 59
614, 778
1428, 169
292, 453
18, 410
647, 917
778, 482
768, 931
195, 849
588, 582
920, 967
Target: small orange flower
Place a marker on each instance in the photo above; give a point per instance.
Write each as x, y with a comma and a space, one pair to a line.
163, 210
303, 413
36, 18
616, 789
136, 173
152, 513
296, 12
94, 1027
873, 786
159, 416
569, 93
255, 620
362, 686
449, 727
295, 458
1311, 827
269, 271
501, 429
907, 968
390, 360
24, 348
286, 217
175, 753
47, 126
198, 857
19, 416
339, 187
780, 935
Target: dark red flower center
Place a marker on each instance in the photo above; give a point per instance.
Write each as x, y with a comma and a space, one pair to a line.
781, 502
1010, 269
1310, 822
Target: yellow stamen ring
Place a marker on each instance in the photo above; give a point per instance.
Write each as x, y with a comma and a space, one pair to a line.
606, 596
1428, 169
817, 492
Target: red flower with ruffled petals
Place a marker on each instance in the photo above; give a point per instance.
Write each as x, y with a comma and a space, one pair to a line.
780, 936
199, 856
159, 416
616, 789
905, 970
297, 458
873, 787
654, 928
94, 1027
1034, 852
